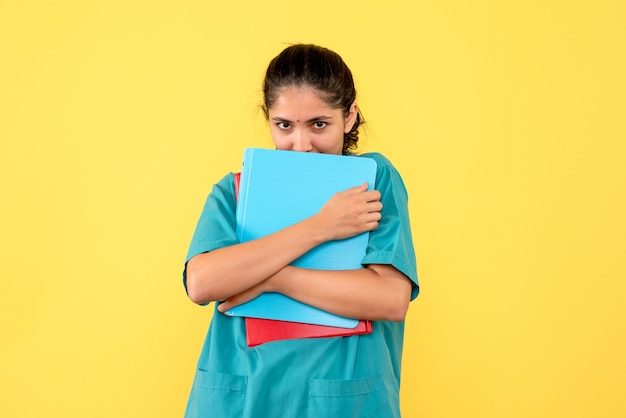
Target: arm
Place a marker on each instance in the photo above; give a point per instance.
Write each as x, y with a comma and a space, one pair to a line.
219, 274
228, 271
378, 292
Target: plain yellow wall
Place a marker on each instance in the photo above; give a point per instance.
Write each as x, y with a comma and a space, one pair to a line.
506, 120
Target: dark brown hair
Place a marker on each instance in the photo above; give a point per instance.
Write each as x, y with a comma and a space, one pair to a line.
319, 68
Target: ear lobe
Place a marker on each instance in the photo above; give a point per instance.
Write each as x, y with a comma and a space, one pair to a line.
350, 119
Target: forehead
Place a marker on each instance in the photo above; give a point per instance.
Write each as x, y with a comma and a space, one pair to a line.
299, 98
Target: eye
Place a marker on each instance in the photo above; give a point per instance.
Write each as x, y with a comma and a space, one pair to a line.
283, 125
319, 124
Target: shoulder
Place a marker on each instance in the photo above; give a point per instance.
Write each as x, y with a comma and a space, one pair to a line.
384, 167
227, 180
381, 160
386, 174
222, 192
226, 185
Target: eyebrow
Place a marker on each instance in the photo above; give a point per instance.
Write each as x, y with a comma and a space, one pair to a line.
315, 119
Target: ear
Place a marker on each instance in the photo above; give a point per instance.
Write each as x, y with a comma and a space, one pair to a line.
350, 118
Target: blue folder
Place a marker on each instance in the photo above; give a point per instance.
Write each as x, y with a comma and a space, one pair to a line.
280, 188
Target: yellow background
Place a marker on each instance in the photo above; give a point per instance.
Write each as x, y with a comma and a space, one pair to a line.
505, 119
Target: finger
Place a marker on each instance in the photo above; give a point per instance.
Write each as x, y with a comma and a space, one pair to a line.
370, 226
224, 306
372, 196
371, 207
370, 217
357, 189
233, 301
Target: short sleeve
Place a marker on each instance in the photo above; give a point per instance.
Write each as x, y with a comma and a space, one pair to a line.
216, 226
392, 242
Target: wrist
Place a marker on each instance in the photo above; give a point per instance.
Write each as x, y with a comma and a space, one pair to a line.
315, 231
278, 282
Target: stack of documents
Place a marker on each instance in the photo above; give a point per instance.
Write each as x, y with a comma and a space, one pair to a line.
278, 189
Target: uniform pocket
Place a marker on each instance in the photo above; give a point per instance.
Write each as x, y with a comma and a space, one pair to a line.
217, 394
362, 398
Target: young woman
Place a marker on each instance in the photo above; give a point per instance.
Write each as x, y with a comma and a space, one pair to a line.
309, 101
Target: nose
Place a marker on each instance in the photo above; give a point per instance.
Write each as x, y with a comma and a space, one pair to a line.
301, 141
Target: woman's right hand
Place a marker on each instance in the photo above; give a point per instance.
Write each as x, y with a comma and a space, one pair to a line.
349, 213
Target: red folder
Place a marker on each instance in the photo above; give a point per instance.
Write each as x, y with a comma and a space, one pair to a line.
259, 331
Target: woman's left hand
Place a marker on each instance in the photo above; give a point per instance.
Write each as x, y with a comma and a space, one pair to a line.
243, 297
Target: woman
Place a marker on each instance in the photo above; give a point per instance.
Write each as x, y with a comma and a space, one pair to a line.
309, 101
